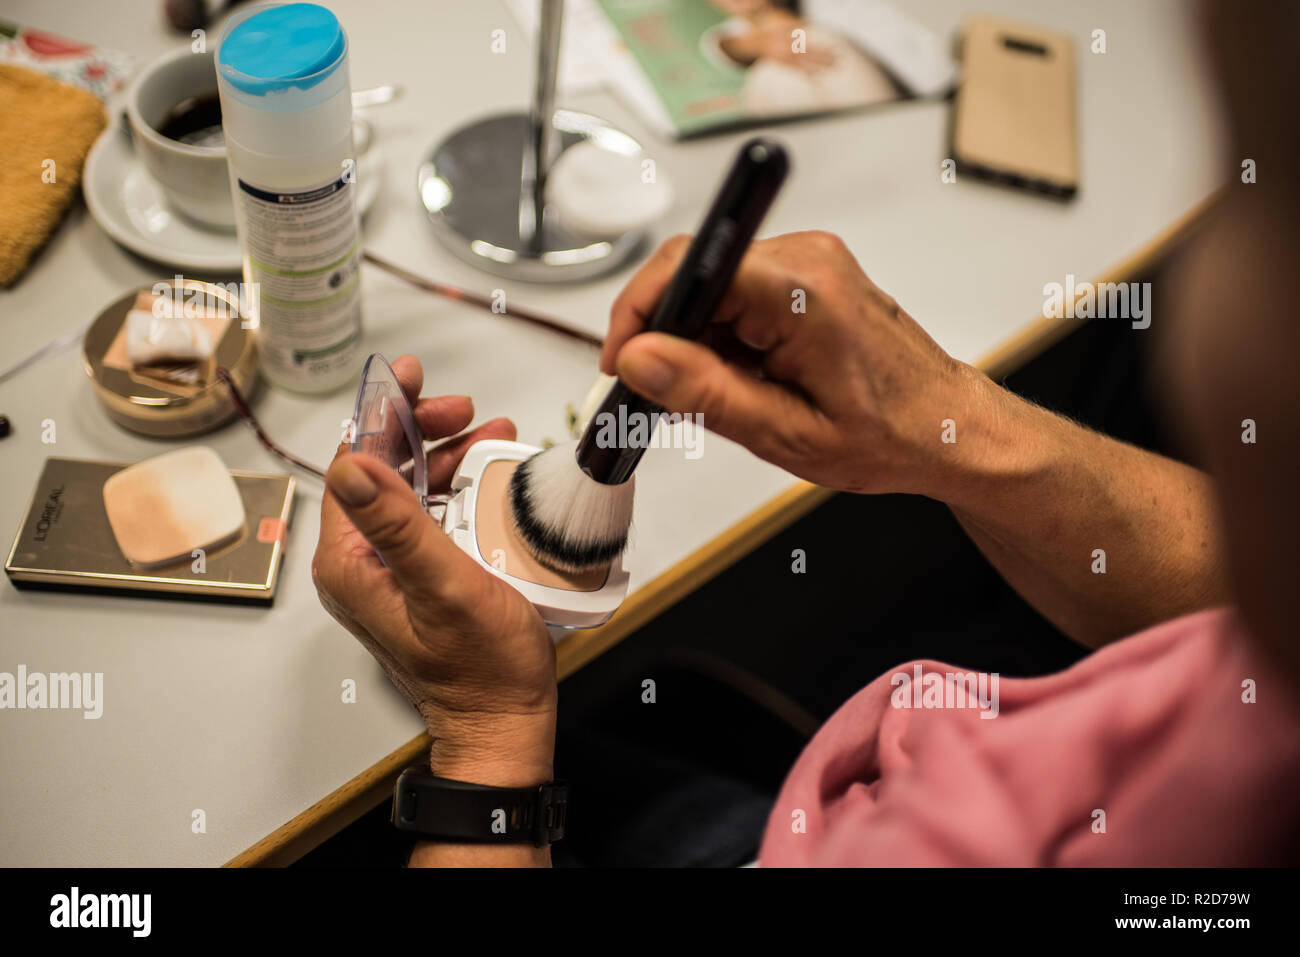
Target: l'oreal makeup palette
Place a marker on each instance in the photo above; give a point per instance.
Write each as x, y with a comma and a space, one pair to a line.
476, 511
179, 525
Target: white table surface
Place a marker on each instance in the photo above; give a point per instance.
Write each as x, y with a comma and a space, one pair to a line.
237, 710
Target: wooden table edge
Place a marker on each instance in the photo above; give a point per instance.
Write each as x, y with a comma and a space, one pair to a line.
345, 804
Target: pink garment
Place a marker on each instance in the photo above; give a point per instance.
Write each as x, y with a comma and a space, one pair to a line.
1152, 730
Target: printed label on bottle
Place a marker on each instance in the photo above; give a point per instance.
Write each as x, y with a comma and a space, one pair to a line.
303, 249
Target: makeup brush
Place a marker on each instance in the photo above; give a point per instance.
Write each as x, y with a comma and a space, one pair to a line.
572, 503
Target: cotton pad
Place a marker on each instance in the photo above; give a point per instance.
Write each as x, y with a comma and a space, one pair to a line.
152, 338
163, 508
601, 194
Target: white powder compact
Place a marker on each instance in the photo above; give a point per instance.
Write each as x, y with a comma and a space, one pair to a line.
475, 512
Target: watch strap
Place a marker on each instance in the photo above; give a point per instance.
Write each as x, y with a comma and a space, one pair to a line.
460, 812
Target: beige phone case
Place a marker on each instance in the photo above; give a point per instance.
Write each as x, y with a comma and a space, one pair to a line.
1015, 110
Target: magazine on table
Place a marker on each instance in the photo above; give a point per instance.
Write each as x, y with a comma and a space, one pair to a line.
694, 66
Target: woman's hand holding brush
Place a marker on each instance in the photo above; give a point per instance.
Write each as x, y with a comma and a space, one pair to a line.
852, 394
808, 364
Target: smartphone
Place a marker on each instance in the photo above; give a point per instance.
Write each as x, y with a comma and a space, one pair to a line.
1014, 119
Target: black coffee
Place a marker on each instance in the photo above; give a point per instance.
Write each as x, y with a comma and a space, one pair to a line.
195, 120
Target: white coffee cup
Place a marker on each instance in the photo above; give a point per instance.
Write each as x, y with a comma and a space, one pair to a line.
193, 178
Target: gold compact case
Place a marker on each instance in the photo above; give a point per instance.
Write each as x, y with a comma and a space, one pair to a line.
171, 399
67, 540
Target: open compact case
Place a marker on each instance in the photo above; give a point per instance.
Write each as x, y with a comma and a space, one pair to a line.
475, 513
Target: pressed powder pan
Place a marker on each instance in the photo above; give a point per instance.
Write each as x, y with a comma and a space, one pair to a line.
500, 545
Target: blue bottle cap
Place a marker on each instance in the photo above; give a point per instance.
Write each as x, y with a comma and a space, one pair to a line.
282, 47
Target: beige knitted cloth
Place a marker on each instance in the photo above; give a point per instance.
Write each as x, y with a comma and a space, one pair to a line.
46, 131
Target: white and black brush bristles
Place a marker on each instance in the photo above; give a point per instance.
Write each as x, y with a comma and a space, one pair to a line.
567, 519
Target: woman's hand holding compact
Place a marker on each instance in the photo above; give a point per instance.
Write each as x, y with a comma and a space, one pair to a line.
468, 651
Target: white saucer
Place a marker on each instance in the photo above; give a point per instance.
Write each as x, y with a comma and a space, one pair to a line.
130, 207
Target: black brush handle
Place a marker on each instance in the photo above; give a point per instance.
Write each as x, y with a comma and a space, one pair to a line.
692, 297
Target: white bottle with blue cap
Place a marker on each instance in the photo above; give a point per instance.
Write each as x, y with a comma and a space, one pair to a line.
286, 106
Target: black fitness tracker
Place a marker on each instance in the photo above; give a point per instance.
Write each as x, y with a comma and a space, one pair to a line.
458, 812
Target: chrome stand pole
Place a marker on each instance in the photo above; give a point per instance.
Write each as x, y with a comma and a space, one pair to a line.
484, 187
